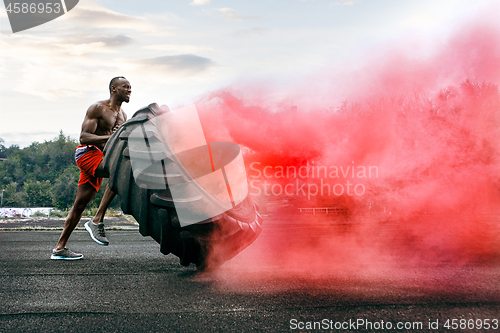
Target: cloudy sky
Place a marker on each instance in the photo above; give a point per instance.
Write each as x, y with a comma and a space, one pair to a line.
175, 50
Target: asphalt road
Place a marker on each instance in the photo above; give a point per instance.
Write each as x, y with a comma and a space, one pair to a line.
55, 223
129, 286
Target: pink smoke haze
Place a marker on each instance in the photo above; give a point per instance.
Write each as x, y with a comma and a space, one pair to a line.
431, 126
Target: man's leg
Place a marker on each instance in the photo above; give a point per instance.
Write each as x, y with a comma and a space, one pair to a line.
95, 226
107, 197
84, 194
105, 202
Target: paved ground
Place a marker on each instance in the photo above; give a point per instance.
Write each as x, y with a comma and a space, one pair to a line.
130, 286
55, 223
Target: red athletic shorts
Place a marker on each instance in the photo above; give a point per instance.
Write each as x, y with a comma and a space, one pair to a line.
87, 158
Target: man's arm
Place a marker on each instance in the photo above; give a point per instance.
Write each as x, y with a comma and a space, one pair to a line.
89, 126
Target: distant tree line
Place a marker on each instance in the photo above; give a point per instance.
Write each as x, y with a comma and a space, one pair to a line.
42, 175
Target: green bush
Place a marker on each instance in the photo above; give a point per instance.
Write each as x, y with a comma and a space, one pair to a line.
39, 214
114, 212
90, 212
58, 213
41, 175
64, 188
38, 193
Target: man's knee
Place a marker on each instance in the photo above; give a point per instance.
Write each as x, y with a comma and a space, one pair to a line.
84, 194
80, 205
101, 171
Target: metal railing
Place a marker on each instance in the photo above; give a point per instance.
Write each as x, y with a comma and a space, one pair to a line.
322, 210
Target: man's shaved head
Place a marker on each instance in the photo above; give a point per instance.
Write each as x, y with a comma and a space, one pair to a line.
114, 81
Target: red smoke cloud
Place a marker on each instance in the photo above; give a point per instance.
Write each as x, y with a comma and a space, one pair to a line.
430, 126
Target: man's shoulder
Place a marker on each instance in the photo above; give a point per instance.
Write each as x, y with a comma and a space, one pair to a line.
98, 107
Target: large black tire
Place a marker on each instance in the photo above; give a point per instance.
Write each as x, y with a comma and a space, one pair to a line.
206, 244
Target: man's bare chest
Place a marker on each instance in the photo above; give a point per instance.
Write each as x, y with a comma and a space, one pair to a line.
108, 120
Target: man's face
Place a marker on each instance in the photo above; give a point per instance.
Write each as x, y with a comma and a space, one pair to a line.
123, 89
